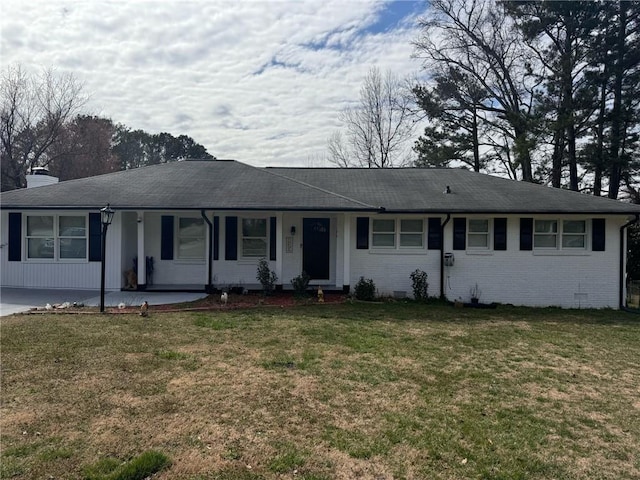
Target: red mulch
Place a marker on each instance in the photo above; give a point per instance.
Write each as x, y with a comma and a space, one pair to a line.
236, 301
213, 302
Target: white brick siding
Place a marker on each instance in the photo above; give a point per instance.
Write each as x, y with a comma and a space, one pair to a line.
577, 278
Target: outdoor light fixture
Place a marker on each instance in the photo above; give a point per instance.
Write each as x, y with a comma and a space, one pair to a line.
106, 217
293, 230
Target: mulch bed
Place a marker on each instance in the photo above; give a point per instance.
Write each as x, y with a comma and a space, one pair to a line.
213, 302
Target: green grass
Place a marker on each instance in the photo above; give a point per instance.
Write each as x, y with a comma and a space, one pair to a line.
138, 468
394, 390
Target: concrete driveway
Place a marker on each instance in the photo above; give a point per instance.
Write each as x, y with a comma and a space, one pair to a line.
17, 300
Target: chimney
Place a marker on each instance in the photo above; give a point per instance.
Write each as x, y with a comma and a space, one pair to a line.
39, 176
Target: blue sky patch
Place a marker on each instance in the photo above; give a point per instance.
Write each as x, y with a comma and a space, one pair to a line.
393, 14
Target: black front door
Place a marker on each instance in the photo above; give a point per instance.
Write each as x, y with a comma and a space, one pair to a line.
315, 247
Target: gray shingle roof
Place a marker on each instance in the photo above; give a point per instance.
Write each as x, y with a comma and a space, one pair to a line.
231, 185
421, 189
183, 185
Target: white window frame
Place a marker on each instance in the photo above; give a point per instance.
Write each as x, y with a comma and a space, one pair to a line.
56, 238
412, 233
561, 235
566, 235
553, 232
242, 237
397, 234
201, 237
478, 233
383, 233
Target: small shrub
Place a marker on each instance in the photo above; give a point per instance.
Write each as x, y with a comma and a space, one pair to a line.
419, 285
266, 277
365, 289
300, 284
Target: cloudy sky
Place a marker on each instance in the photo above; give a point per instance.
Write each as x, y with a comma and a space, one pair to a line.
257, 81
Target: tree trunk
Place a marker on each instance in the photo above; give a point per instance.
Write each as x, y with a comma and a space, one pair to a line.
476, 141
522, 153
556, 160
599, 156
567, 100
616, 113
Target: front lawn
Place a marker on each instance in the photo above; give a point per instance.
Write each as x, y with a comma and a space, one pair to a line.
376, 391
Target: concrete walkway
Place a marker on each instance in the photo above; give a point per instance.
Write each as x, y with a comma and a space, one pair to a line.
17, 300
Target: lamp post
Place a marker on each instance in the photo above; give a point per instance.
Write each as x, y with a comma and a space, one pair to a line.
106, 216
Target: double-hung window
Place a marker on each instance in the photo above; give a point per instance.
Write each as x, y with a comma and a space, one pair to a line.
405, 233
411, 233
574, 234
40, 236
191, 238
384, 233
56, 237
555, 234
545, 234
478, 234
72, 237
254, 237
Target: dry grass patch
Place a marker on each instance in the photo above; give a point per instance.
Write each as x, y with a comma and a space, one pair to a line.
325, 392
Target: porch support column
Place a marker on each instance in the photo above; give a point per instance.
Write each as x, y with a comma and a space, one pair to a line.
279, 250
142, 259
346, 252
209, 239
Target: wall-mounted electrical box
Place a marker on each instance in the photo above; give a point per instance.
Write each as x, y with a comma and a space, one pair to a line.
449, 259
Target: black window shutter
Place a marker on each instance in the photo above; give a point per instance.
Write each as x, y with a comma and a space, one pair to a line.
15, 237
459, 233
598, 229
526, 234
216, 238
231, 238
166, 238
434, 235
272, 238
95, 237
499, 233
362, 233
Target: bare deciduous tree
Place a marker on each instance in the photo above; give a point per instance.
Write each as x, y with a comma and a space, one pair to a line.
34, 110
480, 41
378, 128
84, 149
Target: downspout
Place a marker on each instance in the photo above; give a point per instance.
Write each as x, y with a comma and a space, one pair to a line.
622, 257
442, 295
208, 287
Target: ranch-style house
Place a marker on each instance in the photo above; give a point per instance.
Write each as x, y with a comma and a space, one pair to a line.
204, 225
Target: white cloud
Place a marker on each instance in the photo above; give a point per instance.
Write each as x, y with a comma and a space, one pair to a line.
258, 81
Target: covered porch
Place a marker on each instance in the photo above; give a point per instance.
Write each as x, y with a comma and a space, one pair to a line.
207, 251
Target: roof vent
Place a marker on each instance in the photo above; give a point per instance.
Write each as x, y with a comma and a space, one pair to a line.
447, 190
